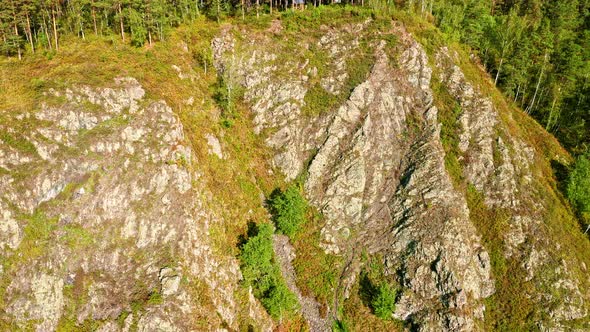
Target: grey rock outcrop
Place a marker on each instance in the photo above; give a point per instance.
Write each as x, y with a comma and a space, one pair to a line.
108, 221
381, 183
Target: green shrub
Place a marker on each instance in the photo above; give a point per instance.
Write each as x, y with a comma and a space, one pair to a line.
288, 210
227, 93
279, 301
578, 187
384, 302
256, 258
262, 273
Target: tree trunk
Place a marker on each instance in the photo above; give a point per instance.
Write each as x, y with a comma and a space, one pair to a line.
18, 45
219, 10
530, 107
121, 22
552, 116
54, 29
30, 32
499, 68
16, 32
47, 32
94, 21
82, 29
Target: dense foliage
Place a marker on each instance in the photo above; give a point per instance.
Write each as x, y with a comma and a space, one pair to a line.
384, 302
578, 187
537, 52
262, 273
288, 210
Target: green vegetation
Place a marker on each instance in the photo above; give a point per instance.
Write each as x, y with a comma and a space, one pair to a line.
448, 115
318, 100
537, 52
318, 273
377, 290
38, 234
262, 273
384, 302
17, 142
340, 326
77, 236
288, 210
227, 93
578, 187
372, 300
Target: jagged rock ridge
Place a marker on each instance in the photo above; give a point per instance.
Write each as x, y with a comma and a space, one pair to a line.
375, 167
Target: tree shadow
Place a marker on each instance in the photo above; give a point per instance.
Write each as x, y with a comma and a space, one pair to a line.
561, 172
251, 231
367, 290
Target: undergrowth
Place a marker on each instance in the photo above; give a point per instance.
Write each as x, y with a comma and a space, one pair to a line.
262, 273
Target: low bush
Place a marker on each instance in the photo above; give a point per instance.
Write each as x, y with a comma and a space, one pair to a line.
384, 302
261, 272
288, 210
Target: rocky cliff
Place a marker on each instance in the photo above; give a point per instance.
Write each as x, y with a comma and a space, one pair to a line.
113, 217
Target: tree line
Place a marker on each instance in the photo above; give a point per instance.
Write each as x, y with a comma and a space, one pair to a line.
537, 51
29, 25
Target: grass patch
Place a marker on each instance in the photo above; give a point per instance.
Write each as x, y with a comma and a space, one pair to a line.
77, 237
38, 235
448, 116
18, 142
318, 273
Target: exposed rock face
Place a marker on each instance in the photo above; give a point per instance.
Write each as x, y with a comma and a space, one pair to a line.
126, 234
375, 168
500, 167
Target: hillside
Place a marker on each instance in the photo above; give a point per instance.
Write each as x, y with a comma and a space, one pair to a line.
138, 185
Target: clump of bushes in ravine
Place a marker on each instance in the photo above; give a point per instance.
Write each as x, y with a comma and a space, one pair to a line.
578, 188
288, 209
262, 273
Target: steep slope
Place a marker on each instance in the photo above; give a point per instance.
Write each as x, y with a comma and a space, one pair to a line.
376, 168
125, 187
107, 218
